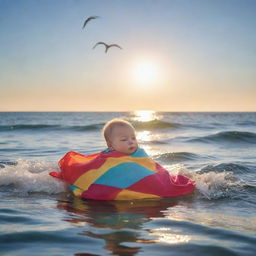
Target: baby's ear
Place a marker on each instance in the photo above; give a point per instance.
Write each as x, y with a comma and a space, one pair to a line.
108, 143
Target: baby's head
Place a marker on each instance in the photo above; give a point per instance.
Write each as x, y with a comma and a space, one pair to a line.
120, 136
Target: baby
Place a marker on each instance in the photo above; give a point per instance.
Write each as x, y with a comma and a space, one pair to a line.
122, 172
120, 136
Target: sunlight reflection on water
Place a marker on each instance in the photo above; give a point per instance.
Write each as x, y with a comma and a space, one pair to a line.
164, 235
145, 115
144, 136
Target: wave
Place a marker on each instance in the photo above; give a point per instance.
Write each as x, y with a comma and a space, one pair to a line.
244, 173
82, 128
37, 127
247, 123
215, 183
228, 136
24, 177
140, 125
178, 157
8, 163
27, 127
228, 167
154, 124
156, 142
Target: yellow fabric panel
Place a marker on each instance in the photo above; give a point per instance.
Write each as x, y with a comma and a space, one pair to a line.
82, 159
128, 195
145, 162
88, 178
77, 192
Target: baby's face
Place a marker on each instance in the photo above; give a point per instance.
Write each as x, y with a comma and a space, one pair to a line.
123, 139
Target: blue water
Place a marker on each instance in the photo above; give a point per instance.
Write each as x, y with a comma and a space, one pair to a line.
38, 216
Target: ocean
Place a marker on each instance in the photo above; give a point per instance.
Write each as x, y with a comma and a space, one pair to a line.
39, 216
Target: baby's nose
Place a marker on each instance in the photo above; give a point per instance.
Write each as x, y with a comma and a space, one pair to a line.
130, 141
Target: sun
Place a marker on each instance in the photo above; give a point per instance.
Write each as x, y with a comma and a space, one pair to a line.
145, 73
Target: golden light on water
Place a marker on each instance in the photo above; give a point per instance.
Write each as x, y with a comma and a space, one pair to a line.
144, 136
144, 120
164, 235
144, 115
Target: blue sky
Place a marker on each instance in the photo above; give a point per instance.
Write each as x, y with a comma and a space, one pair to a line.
202, 53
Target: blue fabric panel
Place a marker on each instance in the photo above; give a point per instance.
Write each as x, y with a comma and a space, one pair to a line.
124, 175
139, 153
72, 187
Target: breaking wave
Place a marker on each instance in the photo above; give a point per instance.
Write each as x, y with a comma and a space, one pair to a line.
24, 177
216, 183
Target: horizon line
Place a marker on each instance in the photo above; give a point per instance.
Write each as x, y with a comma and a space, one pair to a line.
125, 111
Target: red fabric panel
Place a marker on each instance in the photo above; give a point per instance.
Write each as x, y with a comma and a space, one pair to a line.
165, 185
157, 184
101, 192
74, 164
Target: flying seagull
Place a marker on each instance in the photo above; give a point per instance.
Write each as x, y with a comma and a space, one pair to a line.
88, 19
107, 46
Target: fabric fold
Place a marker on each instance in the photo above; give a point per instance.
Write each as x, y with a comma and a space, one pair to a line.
116, 176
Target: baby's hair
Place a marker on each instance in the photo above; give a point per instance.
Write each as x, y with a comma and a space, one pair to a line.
110, 125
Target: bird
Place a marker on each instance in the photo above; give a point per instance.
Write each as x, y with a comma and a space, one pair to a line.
107, 46
88, 19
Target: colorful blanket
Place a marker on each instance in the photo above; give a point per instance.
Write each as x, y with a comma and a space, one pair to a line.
116, 176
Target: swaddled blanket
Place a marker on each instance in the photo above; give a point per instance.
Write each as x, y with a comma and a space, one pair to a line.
116, 176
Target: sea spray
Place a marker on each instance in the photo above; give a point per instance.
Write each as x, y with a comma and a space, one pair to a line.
33, 176
30, 177
217, 185
212, 185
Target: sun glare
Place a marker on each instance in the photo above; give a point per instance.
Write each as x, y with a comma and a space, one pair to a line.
145, 115
145, 73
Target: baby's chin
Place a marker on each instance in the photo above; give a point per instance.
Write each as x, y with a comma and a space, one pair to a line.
132, 150
129, 151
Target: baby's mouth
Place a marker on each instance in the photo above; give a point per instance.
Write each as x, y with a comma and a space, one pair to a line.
132, 148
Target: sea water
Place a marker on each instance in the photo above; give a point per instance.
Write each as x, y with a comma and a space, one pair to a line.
39, 216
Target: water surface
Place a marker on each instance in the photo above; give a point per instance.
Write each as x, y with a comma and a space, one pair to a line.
38, 216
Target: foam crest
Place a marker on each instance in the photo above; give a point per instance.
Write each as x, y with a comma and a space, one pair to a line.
211, 185
33, 177
216, 185
30, 177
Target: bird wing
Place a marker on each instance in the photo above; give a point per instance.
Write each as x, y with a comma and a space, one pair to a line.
115, 45
100, 43
88, 19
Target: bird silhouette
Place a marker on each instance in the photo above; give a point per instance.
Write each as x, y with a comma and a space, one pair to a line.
88, 19
107, 46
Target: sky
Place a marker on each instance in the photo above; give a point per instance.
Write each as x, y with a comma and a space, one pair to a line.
177, 55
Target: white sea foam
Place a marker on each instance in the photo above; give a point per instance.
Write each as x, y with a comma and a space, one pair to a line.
33, 176
212, 185
30, 177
